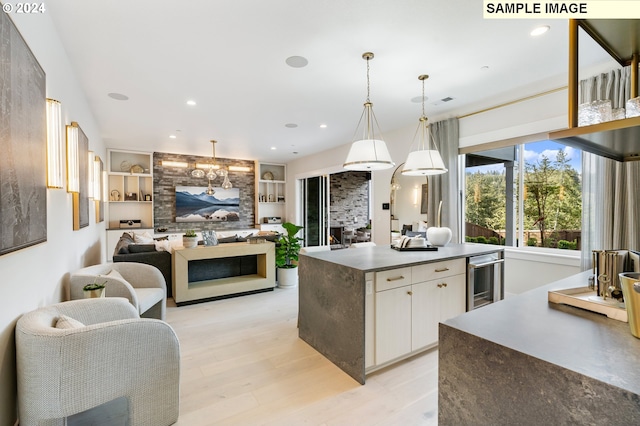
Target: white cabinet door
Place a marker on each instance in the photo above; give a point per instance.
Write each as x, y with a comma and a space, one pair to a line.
453, 299
393, 324
433, 302
425, 312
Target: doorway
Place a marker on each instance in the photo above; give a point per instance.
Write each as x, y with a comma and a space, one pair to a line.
315, 210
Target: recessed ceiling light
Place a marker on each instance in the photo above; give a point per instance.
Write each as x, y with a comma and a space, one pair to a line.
273, 148
296, 61
323, 126
540, 30
191, 102
291, 125
172, 136
118, 96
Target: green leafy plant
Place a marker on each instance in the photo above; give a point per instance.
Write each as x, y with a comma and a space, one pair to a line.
190, 233
567, 245
288, 247
94, 285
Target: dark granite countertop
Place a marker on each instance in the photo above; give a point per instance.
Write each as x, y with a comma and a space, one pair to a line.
578, 340
379, 258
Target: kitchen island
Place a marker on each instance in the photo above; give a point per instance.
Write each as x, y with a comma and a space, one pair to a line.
367, 308
527, 361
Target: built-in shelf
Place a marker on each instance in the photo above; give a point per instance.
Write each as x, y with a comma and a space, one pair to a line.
130, 192
271, 191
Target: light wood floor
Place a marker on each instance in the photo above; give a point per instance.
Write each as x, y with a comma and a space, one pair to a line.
243, 364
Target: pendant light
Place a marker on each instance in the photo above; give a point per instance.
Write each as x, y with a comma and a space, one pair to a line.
369, 153
213, 171
423, 161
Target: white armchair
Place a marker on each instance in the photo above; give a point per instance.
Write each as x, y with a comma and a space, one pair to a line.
107, 352
143, 285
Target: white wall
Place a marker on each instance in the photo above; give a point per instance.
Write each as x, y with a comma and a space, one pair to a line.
35, 276
527, 269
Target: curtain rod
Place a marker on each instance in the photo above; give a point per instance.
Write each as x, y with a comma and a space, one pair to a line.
548, 92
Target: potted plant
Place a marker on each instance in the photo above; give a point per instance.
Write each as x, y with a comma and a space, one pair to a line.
190, 239
94, 289
287, 251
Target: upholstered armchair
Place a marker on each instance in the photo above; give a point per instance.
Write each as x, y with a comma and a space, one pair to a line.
143, 285
77, 355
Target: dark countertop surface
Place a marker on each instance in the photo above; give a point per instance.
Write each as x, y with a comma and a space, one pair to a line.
578, 340
379, 258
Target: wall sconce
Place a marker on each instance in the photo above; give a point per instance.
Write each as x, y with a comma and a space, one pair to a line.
415, 196
96, 164
73, 163
94, 189
178, 164
55, 145
239, 169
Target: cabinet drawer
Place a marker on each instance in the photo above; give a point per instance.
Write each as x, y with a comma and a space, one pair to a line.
436, 270
393, 278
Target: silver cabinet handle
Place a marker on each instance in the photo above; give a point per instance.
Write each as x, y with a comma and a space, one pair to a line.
395, 278
445, 269
482, 265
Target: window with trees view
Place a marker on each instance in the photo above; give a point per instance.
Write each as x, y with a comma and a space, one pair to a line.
549, 212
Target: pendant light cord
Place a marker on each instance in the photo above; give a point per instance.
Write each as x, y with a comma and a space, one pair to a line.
423, 114
368, 84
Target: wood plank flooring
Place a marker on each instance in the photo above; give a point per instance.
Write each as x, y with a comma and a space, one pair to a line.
243, 364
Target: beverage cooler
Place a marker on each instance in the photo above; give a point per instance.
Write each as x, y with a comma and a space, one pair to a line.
485, 280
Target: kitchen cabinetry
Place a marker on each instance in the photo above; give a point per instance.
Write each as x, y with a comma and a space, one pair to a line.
345, 313
270, 194
130, 193
409, 304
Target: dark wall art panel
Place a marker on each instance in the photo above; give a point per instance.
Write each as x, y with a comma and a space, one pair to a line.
23, 197
81, 199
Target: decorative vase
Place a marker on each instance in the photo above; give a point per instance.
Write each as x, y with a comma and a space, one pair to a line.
90, 294
288, 277
439, 235
189, 242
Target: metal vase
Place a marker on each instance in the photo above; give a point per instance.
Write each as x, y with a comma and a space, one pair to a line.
630, 282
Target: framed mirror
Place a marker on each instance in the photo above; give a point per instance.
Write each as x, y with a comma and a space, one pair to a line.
408, 203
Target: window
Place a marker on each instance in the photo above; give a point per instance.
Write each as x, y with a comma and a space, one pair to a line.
549, 212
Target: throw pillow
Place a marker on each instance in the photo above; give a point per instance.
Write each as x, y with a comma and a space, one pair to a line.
115, 274
164, 245
123, 244
65, 322
143, 238
142, 248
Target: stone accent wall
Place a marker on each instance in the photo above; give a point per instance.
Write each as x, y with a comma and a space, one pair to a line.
349, 193
165, 180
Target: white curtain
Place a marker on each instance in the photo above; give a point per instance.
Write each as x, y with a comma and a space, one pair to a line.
445, 186
610, 202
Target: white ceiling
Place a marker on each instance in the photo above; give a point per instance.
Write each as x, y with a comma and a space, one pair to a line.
229, 56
